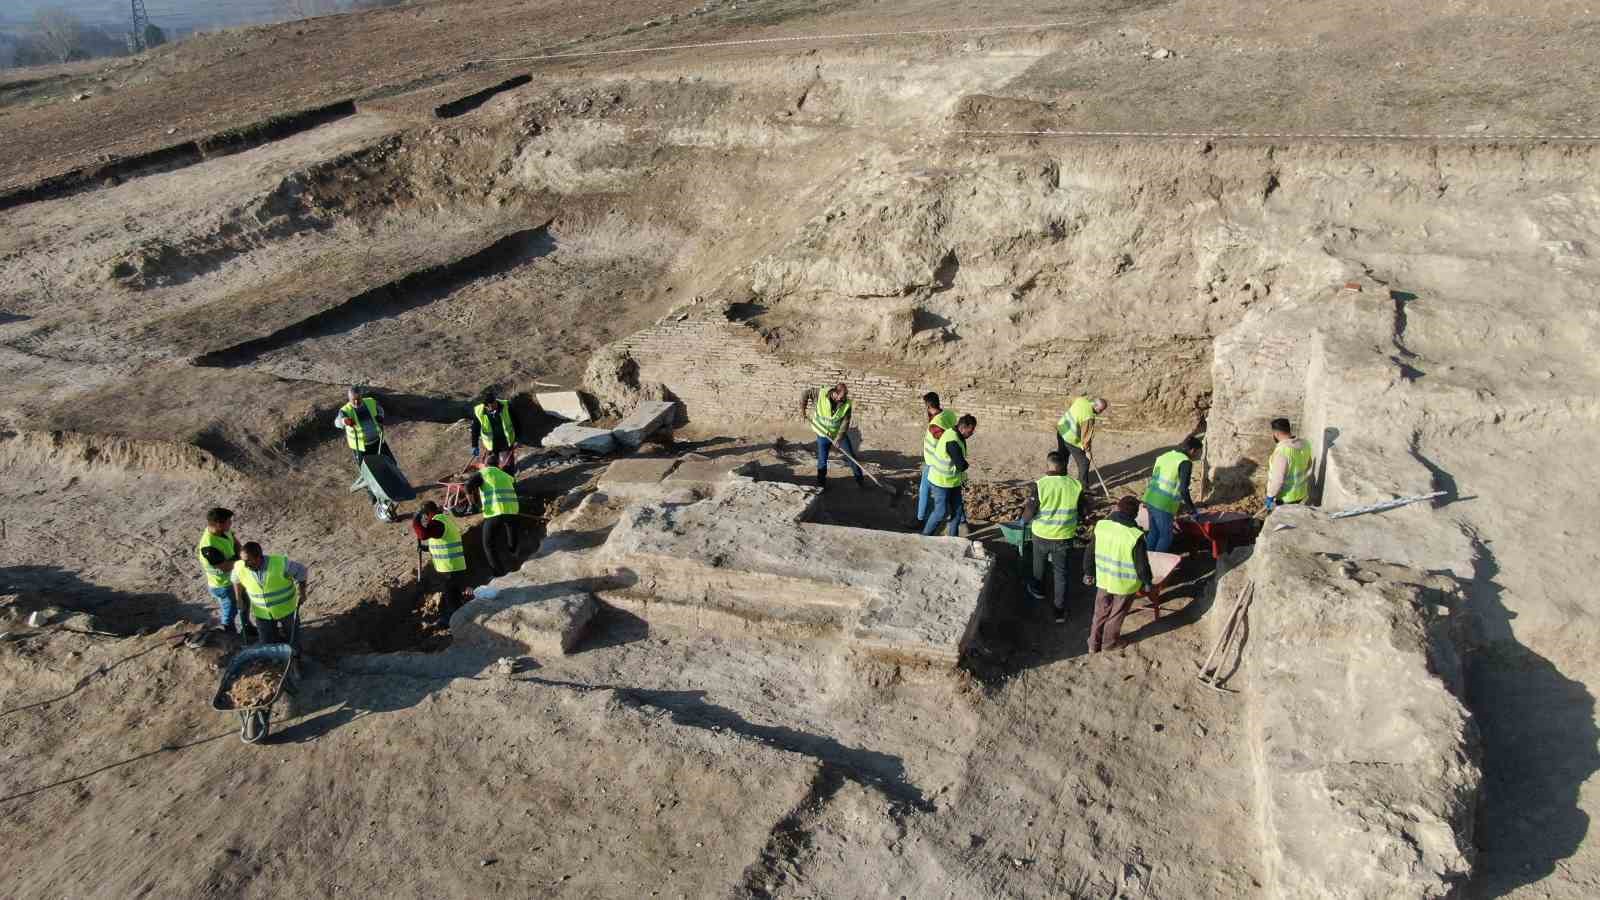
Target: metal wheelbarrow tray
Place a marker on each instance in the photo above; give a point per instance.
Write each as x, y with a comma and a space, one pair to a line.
253, 720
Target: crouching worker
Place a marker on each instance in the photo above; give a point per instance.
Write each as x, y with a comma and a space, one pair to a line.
438, 533
275, 588
1121, 568
497, 497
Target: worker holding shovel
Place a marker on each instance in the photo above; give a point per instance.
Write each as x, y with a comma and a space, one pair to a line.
830, 419
1075, 434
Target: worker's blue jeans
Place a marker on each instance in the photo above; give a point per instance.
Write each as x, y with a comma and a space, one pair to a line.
226, 611
824, 445
923, 495
947, 504
1160, 529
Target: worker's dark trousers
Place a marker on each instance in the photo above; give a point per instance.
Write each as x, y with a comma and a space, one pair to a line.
1077, 461
279, 631
501, 535
1109, 611
455, 594
1058, 556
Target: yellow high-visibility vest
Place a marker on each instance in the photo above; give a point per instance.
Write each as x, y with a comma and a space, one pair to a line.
930, 444
1114, 570
498, 495
1164, 492
274, 597
366, 433
448, 553
1074, 423
224, 544
1058, 508
827, 420
486, 428
1296, 473
943, 470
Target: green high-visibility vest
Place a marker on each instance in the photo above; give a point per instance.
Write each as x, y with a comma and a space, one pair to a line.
1296, 474
486, 428
1058, 508
274, 597
1164, 492
930, 444
1075, 421
447, 552
498, 495
365, 434
1114, 571
226, 545
942, 471
827, 420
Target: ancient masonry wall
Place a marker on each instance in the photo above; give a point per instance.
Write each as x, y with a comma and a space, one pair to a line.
727, 375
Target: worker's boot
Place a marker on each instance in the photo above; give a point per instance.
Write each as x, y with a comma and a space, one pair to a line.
822, 478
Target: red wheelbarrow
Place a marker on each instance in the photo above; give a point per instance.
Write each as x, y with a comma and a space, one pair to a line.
1222, 530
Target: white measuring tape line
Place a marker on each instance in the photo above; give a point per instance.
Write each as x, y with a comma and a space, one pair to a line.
1292, 135
853, 36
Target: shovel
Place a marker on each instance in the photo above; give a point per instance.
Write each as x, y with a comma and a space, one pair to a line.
895, 492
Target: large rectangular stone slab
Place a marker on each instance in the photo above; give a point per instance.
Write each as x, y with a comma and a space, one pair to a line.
567, 405
650, 417
637, 479
515, 611
578, 438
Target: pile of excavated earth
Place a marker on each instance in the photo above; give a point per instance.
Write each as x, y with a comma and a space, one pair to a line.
708, 675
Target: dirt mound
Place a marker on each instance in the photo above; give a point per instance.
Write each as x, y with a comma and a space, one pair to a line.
257, 684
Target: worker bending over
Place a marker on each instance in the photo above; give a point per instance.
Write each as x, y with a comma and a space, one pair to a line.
1168, 489
1121, 566
939, 421
497, 497
275, 587
1075, 434
831, 421
494, 432
218, 551
1052, 516
437, 532
946, 476
1289, 473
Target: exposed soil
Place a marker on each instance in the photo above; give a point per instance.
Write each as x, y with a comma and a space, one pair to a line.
179, 337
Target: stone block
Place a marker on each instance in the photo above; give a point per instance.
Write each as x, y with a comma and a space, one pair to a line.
567, 405
576, 438
704, 474
636, 479
1366, 757
648, 418
525, 614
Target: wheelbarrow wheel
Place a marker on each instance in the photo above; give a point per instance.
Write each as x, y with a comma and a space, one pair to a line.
253, 725
383, 510
460, 503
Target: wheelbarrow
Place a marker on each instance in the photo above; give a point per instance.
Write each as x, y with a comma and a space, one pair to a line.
1162, 565
254, 720
1222, 530
382, 479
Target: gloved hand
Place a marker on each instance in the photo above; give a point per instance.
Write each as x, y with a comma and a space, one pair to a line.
1088, 580
1271, 502
475, 452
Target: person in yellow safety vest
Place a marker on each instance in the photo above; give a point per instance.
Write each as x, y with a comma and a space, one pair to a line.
1120, 564
940, 420
830, 419
1075, 434
494, 431
1168, 489
275, 588
217, 551
437, 533
1052, 519
497, 495
947, 474
1289, 473
361, 420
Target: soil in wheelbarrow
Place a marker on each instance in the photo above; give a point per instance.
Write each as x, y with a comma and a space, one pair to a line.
1004, 502
257, 684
